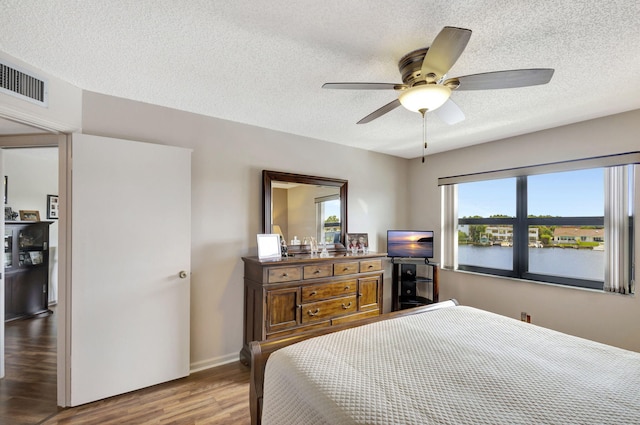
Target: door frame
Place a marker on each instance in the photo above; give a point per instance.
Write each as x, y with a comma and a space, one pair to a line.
62, 142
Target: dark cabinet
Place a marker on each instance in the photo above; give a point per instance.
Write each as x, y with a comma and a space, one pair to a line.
26, 269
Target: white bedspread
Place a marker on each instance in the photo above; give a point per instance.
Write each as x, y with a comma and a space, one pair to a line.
456, 365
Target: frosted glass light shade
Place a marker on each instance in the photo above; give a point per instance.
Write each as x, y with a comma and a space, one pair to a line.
427, 96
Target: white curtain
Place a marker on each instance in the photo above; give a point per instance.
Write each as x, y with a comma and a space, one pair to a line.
616, 235
449, 230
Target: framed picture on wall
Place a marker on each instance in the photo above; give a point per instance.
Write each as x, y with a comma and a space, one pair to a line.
53, 207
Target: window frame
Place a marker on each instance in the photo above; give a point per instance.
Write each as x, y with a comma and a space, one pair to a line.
521, 223
321, 225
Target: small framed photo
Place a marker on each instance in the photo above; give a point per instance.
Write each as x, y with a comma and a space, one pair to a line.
36, 257
269, 247
358, 241
29, 215
53, 207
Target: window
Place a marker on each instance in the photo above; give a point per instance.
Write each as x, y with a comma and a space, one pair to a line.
328, 224
572, 227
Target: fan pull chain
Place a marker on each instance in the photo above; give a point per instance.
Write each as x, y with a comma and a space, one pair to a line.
424, 132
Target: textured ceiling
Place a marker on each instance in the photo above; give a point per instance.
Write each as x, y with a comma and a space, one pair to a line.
264, 62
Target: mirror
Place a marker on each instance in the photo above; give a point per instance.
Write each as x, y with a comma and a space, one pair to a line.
300, 206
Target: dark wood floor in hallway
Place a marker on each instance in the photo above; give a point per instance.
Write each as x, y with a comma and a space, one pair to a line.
28, 392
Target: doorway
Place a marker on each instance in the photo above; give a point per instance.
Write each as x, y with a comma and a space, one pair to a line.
32, 177
141, 335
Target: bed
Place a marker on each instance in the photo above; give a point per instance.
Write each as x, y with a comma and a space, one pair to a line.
443, 364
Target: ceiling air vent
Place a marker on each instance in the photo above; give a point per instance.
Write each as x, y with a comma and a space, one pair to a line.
22, 84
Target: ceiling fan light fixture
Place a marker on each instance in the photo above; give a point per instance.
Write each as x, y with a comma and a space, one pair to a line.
426, 96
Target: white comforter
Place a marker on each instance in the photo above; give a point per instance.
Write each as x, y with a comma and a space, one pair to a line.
456, 365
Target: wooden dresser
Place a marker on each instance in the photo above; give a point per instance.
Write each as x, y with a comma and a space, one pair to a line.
295, 294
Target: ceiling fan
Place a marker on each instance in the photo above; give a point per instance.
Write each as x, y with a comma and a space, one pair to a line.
426, 87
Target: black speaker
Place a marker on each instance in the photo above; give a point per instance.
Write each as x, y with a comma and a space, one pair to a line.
408, 280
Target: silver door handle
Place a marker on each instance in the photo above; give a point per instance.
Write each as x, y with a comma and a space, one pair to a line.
182, 274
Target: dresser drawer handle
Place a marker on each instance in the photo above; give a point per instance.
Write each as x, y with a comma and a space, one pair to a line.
347, 306
313, 313
345, 269
284, 275
312, 293
370, 266
346, 288
316, 272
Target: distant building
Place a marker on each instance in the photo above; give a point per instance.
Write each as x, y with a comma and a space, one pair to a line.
505, 234
573, 235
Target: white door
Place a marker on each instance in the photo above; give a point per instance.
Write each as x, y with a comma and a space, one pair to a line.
130, 259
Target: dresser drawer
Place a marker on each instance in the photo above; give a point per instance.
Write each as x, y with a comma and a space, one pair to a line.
318, 270
354, 317
284, 274
328, 290
324, 310
370, 266
340, 269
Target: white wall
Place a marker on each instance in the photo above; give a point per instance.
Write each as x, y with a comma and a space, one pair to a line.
33, 174
228, 159
608, 318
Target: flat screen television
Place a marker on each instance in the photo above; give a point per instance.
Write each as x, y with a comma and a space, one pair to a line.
410, 243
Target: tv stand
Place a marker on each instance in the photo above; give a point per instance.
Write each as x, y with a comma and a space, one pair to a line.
405, 260
415, 283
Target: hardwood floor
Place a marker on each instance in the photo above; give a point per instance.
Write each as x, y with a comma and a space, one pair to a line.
28, 392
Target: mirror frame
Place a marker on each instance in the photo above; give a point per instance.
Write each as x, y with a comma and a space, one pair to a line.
268, 177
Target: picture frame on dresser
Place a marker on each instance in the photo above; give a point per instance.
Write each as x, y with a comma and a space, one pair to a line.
269, 246
359, 241
29, 215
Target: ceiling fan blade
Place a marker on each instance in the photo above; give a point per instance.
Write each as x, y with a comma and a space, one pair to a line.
503, 79
450, 112
445, 51
364, 86
380, 112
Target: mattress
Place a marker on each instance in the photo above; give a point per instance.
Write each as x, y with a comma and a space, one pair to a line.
456, 365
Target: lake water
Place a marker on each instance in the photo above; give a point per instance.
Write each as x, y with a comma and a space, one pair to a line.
568, 262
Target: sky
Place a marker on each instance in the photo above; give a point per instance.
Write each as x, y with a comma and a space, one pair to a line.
568, 194
332, 208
